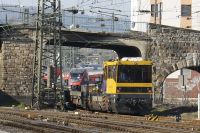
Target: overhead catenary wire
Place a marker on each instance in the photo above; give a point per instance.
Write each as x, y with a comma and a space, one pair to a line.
106, 8
4, 9
101, 10
95, 4
92, 3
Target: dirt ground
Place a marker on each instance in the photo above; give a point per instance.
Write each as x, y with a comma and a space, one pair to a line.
8, 129
186, 112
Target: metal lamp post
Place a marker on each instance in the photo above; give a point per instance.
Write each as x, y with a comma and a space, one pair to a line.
196, 81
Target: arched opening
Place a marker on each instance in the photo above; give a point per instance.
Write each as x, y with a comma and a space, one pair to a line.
79, 57
99, 41
121, 50
181, 87
127, 52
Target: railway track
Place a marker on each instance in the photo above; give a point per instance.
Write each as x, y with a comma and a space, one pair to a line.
19, 120
99, 122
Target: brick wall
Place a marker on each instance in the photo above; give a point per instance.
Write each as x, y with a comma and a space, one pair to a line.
174, 94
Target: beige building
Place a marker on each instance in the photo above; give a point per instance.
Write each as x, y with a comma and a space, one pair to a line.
177, 13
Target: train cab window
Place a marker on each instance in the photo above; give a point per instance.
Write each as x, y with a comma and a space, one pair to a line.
75, 77
137, 74
66, 82
112, 72
105, 72
146, 75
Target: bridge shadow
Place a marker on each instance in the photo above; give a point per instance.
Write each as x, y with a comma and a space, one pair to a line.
6, 100
172, 110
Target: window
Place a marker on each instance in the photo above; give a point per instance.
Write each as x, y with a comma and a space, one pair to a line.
185, 10
134, 89
112, 72
134, 74
153, 10
105, 72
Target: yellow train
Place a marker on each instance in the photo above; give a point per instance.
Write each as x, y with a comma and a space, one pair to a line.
126, 88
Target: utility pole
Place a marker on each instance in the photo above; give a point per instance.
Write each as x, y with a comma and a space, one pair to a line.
74, 11
155, 11
160, 16
197, 83
47, 50
113, 20
6, 18
25, 17
183, 86
73, 17
73, 57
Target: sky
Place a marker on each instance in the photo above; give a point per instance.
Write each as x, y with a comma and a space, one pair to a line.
123, 5
174, 74
65, 3
92, 8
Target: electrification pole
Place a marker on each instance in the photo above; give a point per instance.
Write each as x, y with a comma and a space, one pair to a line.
155, 11
160, 14
113, 22
47, 51
198, 100
25, 17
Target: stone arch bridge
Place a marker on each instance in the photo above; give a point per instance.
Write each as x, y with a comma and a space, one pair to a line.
169, 48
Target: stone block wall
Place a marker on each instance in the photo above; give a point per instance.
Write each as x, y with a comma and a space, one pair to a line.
16, 68
172, 49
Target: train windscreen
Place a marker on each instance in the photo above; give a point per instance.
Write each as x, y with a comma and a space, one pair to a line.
134, 74
75, 77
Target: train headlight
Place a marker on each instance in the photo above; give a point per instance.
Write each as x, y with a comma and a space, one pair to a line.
149, 90
119, 90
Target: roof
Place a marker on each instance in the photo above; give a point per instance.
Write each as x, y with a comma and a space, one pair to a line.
128, 62
77, 70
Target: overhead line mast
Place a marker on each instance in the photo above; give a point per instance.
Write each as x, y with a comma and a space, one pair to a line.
47, 51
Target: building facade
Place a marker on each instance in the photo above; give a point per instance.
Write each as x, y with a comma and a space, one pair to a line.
176, 13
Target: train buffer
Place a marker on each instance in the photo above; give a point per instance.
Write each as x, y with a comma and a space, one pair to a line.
152, 117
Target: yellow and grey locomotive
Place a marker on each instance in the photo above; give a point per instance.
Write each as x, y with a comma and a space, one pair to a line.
126, 88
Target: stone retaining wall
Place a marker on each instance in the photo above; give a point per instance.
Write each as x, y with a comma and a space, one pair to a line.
16, 68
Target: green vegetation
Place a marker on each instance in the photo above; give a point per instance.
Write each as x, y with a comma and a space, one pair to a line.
192, 115
21, 105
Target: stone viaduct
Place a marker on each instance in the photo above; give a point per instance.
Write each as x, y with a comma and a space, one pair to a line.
169, 48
